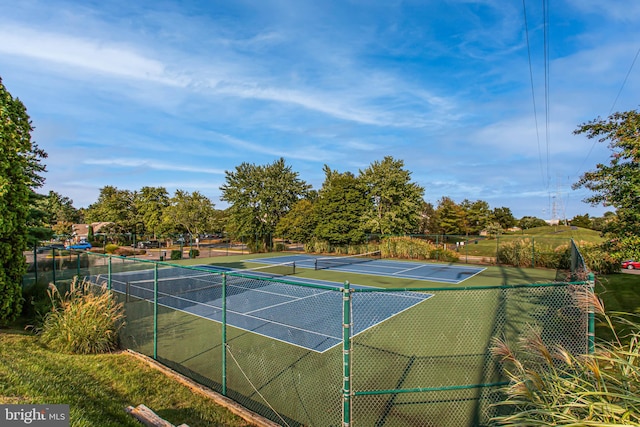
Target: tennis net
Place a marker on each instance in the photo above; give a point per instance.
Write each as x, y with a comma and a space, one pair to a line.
337, 261
272, 270
173, 286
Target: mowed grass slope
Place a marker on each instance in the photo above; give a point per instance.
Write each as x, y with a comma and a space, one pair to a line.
99, 387
545, 238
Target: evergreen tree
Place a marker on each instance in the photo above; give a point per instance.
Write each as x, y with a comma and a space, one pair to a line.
339, 209
20, 170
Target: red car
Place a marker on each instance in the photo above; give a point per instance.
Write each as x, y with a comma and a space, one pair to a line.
630, 265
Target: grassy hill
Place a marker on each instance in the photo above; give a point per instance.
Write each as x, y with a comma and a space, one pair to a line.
546, 239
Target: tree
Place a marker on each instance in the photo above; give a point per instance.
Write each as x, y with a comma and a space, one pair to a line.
475, 216
616, 184
583, 221
116, 206
504, 217
193, 211
20, 170
395, 200
259, 197
601, 223
299, 223
427, 213
527, 222
37, 229
448, 217
341, 204
59, 213
150, 205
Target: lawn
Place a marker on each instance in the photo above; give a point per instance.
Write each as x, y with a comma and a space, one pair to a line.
546, 239
99, 387
620, 293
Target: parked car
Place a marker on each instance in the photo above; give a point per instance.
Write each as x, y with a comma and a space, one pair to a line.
630, 264
47, 248
149, 244
79, 246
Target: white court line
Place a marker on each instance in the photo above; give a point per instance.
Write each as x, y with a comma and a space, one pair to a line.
217, 308
293, 299
408, 269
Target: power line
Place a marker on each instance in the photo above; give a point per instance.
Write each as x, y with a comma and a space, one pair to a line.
533, 92
545, 17
624, 82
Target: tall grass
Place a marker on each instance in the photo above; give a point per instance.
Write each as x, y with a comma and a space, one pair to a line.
410, 248
550, 386
85, 320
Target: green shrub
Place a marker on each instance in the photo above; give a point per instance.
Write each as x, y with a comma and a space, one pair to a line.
406, 248
524, 252
111, 248
280, 247
599, 258
122, 251
36, 301
623, 248
444, 255
317, 246
176, 254
85, 320
551, 386
194, 253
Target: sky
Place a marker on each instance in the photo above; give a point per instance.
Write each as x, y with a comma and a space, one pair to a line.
477, 101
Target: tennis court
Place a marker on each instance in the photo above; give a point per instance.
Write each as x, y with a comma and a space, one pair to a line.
371, 264
300, 315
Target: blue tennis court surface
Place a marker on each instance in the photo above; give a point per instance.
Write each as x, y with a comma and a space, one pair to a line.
381, 267
303, 316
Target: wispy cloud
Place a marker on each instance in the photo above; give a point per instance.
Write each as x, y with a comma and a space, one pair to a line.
94, 55
150, 164
155, 94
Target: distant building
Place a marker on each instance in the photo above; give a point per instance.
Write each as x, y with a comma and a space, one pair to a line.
80, 232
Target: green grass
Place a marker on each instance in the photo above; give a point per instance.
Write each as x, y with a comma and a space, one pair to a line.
620, 293
546, 238
98, 388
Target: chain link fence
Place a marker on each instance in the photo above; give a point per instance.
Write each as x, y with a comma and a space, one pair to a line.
318, 355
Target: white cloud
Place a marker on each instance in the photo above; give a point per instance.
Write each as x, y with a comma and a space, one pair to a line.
97, 56
152, 164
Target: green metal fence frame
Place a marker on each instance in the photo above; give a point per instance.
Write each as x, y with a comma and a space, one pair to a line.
347, 299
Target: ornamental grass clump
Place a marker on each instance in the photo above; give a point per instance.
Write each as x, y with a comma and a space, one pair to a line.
85, 320
549, 386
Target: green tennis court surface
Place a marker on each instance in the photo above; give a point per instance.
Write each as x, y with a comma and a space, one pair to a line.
304, 316
444, 273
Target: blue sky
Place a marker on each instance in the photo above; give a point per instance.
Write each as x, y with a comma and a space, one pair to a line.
174, 93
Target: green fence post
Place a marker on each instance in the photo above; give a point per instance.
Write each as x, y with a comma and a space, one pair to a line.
109, 273
224, 334
346, 351
533, 252
53, 270
155, 311
78, 264
35, 263
591, 333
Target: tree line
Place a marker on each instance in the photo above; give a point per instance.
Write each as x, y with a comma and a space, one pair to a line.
271, 200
